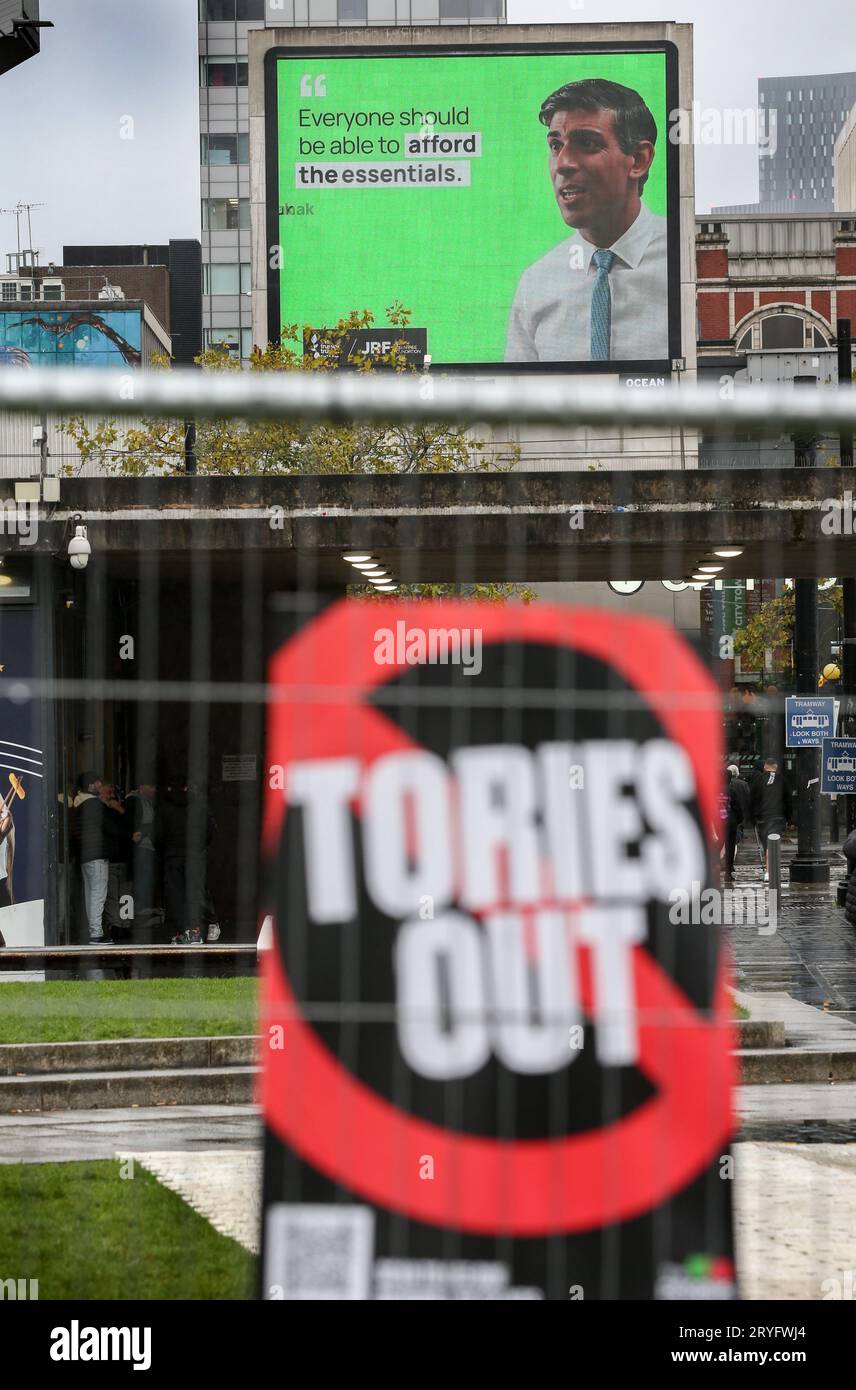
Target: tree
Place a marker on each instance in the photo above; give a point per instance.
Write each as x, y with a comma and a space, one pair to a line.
277, 448
772, 627
491, 593
262, 448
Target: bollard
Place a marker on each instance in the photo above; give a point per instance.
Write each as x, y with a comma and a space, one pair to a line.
774, 861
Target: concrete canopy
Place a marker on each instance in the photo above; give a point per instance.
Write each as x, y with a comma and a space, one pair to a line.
462, 528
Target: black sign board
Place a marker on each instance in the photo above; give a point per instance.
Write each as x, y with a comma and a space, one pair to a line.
359, 343
497, 1034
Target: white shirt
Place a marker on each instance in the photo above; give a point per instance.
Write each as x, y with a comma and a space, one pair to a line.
550, 318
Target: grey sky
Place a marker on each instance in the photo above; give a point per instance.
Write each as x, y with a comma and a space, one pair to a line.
108, 59
104, 60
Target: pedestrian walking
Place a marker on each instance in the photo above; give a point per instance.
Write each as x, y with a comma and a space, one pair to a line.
770, 805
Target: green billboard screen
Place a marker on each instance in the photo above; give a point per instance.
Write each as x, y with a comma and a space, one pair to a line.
522, 205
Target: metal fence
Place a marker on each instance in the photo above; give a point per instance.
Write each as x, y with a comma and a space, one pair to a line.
150, 668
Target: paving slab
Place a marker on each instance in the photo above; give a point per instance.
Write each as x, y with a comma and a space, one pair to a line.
807, 1028
795, 1220
791, 1104
795, 1210
225, 1188
75, 1136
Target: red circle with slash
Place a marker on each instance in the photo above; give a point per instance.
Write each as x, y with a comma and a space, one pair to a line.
357, 1137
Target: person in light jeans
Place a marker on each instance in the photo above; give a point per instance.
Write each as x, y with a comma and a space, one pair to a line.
96, 881
104, 841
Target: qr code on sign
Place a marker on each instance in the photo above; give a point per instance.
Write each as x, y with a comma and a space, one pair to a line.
318, 1252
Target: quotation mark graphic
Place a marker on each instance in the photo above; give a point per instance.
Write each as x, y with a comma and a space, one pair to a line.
313, 86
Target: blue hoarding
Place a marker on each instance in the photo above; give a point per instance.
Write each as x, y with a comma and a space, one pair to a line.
32, 335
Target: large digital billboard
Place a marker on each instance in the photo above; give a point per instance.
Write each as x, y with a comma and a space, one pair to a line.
523, 205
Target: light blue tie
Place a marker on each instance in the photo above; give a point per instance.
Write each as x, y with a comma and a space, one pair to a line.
601, 307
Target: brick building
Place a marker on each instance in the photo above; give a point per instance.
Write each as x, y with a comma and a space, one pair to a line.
768, 283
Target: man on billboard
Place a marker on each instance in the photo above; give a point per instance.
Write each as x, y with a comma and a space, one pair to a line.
602, 294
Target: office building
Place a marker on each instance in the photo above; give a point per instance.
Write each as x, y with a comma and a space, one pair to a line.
802, 118
845, 166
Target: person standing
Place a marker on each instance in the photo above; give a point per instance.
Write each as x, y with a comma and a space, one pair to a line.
104, 839
848, 849
141, 806
738, 818
188, 830
770, 805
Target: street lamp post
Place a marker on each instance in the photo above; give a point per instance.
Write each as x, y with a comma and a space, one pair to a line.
848, 586
809, 865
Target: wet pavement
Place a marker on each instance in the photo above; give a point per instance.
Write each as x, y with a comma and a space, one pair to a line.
811, 955
77, 1135
787, 1114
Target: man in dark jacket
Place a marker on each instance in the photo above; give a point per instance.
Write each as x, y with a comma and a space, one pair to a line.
103, 838
739, 817
849, 852
770, 803
142, 808
187, 831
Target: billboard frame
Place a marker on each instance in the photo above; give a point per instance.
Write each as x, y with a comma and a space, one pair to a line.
623, 366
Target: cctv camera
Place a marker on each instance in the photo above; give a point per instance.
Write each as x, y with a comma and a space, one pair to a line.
79, 549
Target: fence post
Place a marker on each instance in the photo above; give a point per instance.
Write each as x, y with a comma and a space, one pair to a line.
774, 862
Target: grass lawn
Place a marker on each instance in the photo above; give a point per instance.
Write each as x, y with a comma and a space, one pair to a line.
84, 1231
86, 1010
